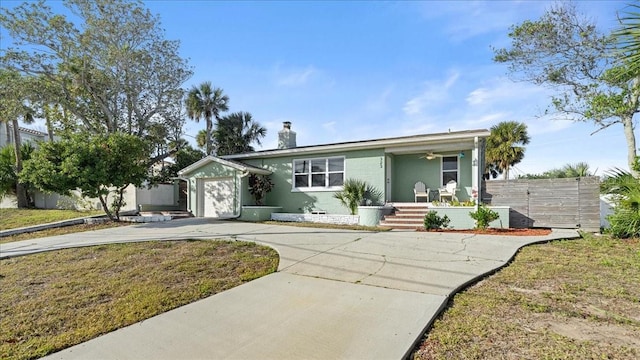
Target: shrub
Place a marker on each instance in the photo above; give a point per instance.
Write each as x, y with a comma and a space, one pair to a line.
259, 186
483, 216
432, 221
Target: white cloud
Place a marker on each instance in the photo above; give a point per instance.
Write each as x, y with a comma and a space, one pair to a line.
330, 126
435, 92
464, 20
478, 96
296, 77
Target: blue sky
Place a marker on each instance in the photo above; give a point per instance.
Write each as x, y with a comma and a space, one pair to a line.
342, 71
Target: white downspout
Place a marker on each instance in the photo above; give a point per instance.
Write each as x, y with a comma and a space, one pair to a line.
239, 211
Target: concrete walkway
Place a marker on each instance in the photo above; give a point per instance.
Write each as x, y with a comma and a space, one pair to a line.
337, 294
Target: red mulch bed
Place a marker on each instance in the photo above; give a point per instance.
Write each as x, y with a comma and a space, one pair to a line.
492, 231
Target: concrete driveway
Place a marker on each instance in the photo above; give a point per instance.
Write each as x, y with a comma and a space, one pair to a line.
337, 294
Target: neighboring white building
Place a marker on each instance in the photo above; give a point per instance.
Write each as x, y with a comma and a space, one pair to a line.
26, 135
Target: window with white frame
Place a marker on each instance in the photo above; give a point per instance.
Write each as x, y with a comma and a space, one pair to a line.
449, 169
320, 173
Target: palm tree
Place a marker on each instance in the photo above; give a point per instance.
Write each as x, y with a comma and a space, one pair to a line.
580, 169
236, 132
628, 39
505, 145
206, 102
201, 139
624, 188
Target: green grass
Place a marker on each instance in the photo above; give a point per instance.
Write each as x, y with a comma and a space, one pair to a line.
572, 299
53, 300
16, 218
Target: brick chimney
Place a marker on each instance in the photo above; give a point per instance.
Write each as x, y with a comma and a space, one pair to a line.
286, 137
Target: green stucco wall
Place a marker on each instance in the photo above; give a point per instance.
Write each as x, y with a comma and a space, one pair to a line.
409, 169
366, 165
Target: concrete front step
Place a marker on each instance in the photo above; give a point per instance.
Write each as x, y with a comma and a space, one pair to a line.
406, 216
404, 220
172, 213
401, 226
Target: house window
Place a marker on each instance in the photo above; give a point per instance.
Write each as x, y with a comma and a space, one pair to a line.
449, 169
322, 173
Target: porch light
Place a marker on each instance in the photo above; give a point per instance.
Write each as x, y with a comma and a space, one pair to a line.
461, 155
474, 162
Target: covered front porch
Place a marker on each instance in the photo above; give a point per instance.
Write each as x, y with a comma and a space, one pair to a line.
434, 164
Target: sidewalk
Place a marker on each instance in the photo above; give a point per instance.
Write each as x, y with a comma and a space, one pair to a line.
337, 294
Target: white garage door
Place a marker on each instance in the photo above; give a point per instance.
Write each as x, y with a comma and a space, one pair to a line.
218, 197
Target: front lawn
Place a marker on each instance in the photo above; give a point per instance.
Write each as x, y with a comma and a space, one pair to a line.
572, 299
16, 218
53, 300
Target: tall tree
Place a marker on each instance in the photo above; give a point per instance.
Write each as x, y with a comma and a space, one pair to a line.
236, 132
110, 68
505, 145
15, 91
206, 102
565, 51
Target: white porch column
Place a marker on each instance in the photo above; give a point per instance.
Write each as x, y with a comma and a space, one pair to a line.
476, 169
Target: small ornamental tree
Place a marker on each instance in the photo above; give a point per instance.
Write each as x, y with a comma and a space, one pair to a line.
259, 186
98, 165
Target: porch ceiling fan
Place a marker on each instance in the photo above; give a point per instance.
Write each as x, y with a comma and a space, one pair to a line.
430, 155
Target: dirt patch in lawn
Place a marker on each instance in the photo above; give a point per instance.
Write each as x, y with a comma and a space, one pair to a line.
53, 300
496, 231
570, 299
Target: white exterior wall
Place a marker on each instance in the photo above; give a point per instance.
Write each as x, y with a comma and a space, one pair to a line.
162, 194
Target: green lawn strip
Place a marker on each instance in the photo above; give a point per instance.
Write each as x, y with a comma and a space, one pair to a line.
62, 231
53, 300
328, 226
16, 218
570, 299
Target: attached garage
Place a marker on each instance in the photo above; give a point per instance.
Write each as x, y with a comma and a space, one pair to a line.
217, 186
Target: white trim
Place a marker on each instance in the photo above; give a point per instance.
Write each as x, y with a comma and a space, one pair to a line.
227, 163
309, 174
442, 171
404, 141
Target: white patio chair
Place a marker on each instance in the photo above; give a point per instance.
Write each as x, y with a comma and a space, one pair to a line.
449, 191
420, 191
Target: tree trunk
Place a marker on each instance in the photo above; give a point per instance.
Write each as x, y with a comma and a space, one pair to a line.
627, 123
21, 191
6, 126
105, 207
209, 128
49, 127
